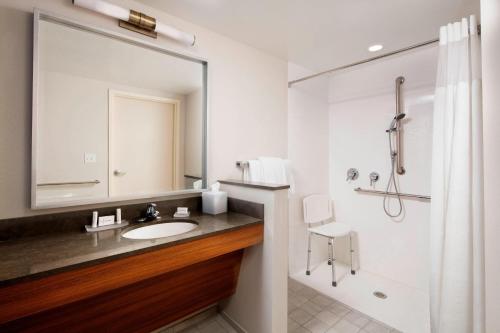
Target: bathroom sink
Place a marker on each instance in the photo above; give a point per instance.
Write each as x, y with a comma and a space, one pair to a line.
176, 227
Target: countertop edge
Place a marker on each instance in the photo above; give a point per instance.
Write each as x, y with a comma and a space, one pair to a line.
39, 275
262, 186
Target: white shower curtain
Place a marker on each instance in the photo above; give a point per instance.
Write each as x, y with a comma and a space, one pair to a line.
457, 264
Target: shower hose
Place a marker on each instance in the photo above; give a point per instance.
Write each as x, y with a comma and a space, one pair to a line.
392, 181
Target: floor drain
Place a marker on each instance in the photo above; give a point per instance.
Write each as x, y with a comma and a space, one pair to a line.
380, 294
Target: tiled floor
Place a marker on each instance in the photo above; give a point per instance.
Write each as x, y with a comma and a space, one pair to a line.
214, 324
208, 321
405, 308
310, 311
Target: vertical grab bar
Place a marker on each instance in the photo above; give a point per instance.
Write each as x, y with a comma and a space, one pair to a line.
399, 157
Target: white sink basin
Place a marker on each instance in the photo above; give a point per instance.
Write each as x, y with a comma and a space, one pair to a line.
160, 230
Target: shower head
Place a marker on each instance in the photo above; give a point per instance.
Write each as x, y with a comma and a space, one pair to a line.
400, 116
395, 120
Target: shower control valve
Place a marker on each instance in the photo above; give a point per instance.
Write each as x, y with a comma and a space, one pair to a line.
374, 177
352, 174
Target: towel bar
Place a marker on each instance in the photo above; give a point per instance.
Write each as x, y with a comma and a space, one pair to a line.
242, 164
394, 194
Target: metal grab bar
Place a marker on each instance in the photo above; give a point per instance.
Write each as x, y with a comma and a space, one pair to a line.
399, 146
402, 195
92, 182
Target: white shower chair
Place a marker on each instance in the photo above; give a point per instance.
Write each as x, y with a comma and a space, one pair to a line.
318, 209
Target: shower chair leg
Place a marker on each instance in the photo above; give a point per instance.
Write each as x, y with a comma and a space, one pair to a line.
352, 254
329, 256
308, 272
332, 254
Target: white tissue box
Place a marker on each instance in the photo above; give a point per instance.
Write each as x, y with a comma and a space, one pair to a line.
214, 202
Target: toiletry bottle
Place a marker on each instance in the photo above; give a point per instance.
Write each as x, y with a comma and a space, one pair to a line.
118, 215
94, 219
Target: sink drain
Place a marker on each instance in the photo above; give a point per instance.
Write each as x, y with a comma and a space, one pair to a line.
379, 294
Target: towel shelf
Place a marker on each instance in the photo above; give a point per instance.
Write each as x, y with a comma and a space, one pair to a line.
192, 177
393, 194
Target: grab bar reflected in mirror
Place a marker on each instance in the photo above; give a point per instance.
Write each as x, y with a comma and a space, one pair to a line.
88, 182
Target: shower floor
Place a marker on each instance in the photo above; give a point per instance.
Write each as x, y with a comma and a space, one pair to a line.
405, 308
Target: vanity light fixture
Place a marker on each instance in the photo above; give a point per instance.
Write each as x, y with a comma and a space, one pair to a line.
375, 48
136, 21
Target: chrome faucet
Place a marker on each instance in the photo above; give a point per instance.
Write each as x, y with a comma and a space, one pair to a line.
151, 212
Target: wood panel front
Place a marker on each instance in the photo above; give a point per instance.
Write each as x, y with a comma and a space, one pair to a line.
34, 296
143, 306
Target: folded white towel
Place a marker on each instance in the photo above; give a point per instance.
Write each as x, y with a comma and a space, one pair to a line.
197, 184
289, 176
273, 170
253, 172
270, 170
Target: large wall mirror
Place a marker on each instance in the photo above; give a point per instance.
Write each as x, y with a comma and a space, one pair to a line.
114, 118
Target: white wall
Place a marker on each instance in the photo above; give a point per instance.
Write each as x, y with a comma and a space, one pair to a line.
362, 106
66, 131
193, 134
490, 21
308, 152
260, 302
247, 95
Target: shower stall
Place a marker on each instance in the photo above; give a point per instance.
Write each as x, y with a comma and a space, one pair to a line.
338, 122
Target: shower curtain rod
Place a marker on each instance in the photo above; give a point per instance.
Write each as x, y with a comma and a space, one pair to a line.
385, 55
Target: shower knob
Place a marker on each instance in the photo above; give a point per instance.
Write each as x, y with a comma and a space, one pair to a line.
352, 174
374, 177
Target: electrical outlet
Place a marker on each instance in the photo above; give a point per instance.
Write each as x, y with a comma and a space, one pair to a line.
90, 158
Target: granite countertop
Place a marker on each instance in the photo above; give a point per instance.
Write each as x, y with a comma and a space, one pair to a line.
33, 257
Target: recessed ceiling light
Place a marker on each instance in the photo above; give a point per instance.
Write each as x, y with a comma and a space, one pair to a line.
375, 48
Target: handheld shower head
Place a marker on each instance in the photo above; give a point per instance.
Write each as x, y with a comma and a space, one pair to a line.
395, 120
400, 116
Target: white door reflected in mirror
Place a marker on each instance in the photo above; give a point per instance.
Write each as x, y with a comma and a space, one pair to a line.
146, 126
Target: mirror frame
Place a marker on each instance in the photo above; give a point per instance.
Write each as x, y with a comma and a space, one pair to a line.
40, 15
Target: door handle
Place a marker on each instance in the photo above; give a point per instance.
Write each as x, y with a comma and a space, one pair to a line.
119, 173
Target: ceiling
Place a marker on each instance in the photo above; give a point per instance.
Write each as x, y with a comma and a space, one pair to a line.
84, 54
321, 34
